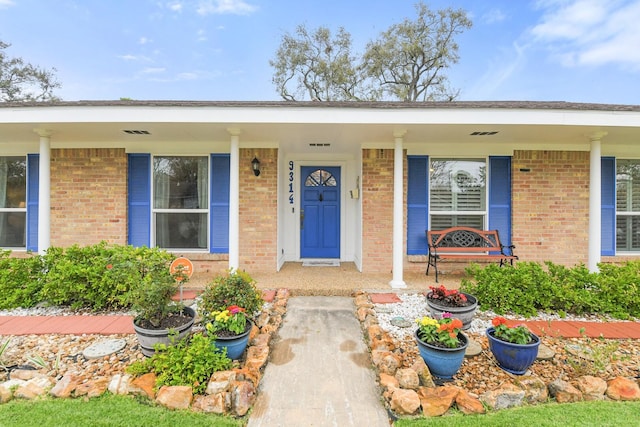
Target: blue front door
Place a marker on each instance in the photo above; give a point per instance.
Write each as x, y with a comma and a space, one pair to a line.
320, 212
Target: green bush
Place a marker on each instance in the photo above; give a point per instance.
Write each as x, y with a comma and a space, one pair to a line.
20, 280
100, 276
234, 288
527, 288
189, 362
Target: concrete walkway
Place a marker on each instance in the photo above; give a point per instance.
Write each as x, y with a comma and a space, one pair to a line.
320, 372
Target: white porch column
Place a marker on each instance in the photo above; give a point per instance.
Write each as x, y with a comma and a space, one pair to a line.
398, 178
595, 202
44, 191
234, 199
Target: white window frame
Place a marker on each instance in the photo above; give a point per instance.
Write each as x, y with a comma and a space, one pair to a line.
18, 209
451, 213
628, 250
155, 211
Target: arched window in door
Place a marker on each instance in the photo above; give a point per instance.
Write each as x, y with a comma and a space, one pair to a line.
320, 178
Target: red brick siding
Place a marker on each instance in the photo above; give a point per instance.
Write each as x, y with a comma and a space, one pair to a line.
258, 211
551, 206
88, 196
377, 210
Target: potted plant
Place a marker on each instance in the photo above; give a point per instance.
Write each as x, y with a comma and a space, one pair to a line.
231, 330
158, 318
514, 347
461, 305
441, 344
228, 306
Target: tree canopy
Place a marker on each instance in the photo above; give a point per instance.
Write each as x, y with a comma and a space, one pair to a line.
407, 62
21, 81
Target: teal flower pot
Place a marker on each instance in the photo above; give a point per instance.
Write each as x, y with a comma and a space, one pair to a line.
235, 345
443, 363
513, 358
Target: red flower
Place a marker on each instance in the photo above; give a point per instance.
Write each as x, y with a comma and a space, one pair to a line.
109, 266
499, 320
234, 309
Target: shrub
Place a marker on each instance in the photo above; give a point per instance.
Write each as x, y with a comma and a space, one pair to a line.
527, 288
20, 280
189, 362
234, 288
100, 276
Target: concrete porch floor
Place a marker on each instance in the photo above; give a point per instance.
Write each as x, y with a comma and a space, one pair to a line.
345, 279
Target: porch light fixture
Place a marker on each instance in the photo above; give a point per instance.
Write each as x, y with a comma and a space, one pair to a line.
255, 165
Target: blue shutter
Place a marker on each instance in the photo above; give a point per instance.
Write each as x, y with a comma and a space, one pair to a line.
608, 206
219, 209
500, 197
139, 199
417, 204
33, 194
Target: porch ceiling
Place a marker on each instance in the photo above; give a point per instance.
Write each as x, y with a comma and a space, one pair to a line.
295, 129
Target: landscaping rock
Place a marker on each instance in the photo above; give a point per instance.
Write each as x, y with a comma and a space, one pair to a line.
144, 385
506, 396
468, 404
564, 392
404, 402
220, 382
535, 390
243, 395
407, 378
65, 386
592, 388
437, 401
175, 397
623, 389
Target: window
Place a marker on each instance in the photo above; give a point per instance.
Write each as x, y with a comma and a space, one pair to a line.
628, 205
457, 193
180, 202
13, 209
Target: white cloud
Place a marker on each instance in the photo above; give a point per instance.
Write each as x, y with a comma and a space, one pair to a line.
175, 6
130, 57
220, 7
144, 40
493, 16
591, 32
6, 3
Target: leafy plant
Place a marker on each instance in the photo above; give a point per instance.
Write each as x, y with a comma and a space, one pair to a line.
528, 287
443, 332
234, 288
20, 280
3, 348
448, 297
594, 356
232, 319
518, 334
189, 362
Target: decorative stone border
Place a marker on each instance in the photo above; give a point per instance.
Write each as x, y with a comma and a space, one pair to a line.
410, 390
231, 392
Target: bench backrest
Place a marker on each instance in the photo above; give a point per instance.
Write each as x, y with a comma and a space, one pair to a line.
463, 239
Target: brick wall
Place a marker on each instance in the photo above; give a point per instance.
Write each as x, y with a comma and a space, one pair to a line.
88, 196
551, 206
258, 211
377, 210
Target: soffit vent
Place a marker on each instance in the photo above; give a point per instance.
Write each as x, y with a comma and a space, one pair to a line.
136, 132
319, 144
478, 133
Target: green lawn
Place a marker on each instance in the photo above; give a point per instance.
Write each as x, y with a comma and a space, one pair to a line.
104, 411
583, 414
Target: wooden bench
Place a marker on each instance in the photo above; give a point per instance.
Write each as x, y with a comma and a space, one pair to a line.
466, 243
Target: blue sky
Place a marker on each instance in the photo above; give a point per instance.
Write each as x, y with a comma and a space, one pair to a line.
525, 50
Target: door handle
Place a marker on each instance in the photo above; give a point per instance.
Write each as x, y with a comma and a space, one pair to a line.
301, 219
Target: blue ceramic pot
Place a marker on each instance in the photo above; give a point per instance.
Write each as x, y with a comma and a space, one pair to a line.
443, 363
235, 345
513, 358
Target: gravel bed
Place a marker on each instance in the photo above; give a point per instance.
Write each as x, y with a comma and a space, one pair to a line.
481, 373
